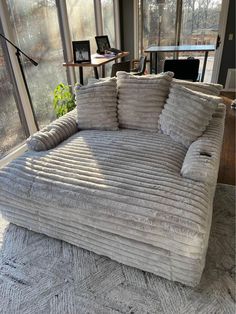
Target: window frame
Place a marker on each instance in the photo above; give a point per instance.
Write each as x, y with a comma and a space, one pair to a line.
24, 103
16, 93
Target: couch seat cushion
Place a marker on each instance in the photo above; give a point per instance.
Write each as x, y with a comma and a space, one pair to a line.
127, 183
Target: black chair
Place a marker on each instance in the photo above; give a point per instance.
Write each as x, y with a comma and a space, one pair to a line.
141, 66
184, 69
120, 66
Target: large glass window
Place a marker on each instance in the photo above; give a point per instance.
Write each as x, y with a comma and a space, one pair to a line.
108, 27
199, 22
82, 21
82, 26
108, 20
200, 26
11, 131
35, 28
158, 22
37, 33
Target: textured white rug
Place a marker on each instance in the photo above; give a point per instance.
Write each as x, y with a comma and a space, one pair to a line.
39, 274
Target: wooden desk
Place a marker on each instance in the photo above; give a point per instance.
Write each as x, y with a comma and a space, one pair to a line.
95, 63
153, 50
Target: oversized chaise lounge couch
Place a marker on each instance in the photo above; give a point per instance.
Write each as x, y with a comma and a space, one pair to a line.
140, 194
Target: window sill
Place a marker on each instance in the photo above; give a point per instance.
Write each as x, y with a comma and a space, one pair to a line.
19, 150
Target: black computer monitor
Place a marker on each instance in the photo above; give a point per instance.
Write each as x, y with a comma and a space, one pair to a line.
103, 43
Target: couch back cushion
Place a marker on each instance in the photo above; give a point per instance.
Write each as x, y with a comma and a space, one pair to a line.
141, 100
186, 114
206, 88
97, 106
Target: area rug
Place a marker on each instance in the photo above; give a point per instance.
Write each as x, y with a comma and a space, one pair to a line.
39, 274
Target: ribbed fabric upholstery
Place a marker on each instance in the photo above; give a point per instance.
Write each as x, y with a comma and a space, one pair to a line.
202, 157
186, 114
97, 105
206, 88
119, 194
141, 100
55, 133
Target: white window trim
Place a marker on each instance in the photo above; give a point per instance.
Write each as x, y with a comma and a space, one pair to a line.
66, 39
219, 50
231, 75
14, 153
5, 18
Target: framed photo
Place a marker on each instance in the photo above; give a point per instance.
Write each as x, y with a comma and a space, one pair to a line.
103, 43
81, 51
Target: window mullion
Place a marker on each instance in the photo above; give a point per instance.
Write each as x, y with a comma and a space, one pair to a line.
66, 39
136, 32
178, 23
98, 17
117, 23
14, 83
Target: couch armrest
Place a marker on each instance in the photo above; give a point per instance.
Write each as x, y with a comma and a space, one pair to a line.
202, 160
54, 133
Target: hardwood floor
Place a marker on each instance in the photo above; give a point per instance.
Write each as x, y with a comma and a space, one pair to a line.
228, 155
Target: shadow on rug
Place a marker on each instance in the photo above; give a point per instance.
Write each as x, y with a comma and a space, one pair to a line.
39, 274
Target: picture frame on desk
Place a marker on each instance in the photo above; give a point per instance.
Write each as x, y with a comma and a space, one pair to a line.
103, 44
81, 51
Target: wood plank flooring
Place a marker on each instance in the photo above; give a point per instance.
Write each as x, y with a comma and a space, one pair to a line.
228, 155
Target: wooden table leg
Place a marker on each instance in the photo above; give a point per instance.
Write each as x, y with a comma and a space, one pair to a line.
103, 70
150, 63
155, 56
81, 76
204, 66
95, 69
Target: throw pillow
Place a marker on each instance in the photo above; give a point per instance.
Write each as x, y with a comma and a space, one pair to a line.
54, 133
186, 114
206, 88
141, 99
97, 105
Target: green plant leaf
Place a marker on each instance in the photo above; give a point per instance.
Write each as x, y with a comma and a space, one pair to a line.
64, 100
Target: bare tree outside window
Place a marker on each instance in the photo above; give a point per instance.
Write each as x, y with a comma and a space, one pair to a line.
200, 22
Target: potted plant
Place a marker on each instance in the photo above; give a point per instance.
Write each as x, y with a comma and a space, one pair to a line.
64, 99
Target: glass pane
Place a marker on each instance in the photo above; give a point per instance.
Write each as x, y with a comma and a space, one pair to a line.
82, 26
108, 20
158, 22
37, 33
200, 26
11, 131
108, 27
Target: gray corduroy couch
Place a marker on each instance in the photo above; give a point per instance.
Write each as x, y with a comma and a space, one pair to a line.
138, 197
